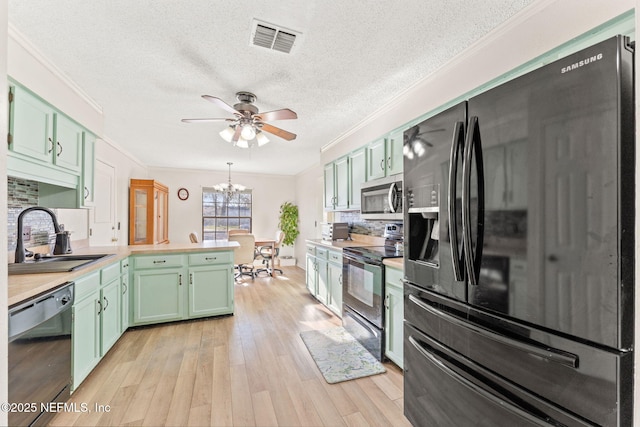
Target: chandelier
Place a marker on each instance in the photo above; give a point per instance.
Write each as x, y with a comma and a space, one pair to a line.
249, 136
227, 188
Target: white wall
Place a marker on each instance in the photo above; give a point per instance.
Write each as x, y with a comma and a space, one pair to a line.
309, 194
269, 192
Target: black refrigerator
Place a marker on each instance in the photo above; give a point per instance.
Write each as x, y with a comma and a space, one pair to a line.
519, 250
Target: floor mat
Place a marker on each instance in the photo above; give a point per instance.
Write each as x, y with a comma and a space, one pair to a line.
339, 356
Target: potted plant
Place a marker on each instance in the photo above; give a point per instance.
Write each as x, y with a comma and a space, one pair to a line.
288, 223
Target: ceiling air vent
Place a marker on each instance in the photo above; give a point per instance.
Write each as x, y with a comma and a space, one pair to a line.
273, 37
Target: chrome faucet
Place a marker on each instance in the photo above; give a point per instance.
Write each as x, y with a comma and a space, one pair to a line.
21, 252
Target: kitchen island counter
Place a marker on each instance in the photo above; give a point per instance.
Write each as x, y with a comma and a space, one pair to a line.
24, 286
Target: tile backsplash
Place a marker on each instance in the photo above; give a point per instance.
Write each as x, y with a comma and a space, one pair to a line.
357, 225
22, 194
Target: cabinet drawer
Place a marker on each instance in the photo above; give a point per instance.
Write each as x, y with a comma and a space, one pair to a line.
109, 273
335, 257
394, 276
322, 252
158, 261
221, 257
311, 250
86, 285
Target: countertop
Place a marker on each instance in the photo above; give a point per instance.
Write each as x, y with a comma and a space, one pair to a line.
359, 241
23, 286
394, 263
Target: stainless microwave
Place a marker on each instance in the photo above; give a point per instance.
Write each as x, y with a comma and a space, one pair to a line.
382, 198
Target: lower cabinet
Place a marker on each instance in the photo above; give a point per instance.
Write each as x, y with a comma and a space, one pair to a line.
324, 276
176, 287
96, 319
125, 294
394, 315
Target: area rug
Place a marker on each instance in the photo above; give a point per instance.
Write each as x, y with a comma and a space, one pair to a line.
339, 356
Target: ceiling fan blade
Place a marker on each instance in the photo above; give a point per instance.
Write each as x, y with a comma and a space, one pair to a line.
206, 120
278, 132
283, 114
220, 103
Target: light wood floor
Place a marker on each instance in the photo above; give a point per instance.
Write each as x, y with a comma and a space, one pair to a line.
248, 369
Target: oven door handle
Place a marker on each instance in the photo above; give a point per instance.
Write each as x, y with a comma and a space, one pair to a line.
374, 332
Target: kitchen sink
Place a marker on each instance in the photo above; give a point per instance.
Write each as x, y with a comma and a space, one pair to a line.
55, 263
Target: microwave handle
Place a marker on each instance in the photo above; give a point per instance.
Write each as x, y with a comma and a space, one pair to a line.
392, 197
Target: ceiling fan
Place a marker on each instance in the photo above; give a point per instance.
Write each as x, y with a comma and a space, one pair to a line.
247, 122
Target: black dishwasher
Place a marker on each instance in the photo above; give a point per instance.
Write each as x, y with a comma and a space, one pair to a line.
39, 355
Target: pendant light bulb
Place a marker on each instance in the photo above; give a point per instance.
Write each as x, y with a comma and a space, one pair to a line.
248, 132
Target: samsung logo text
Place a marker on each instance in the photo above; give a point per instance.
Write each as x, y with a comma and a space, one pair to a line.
581, 63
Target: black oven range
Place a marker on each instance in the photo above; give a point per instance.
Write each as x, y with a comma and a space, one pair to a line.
363, 289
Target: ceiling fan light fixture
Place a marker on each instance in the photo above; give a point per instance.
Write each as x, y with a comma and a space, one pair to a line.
248, 132
242, 143
262, 139
227, 133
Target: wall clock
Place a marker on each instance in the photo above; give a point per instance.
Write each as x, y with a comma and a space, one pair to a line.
183, 194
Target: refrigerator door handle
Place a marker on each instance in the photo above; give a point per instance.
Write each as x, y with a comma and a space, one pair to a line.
472, 142
456, 143
487, 394
547, 353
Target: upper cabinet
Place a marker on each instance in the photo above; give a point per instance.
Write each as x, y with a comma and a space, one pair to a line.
343, 178
47, 146
148, 212
384, 156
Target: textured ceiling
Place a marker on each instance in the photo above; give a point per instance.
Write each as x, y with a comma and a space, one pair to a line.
147, 62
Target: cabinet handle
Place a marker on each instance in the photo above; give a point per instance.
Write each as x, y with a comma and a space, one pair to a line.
389, 162
386, 302
382, 164
99, 307
191, 278
106, 303
59, 145
124, 288
86, 193
180, 279
50, 149
160, 262
211, 258
340, 279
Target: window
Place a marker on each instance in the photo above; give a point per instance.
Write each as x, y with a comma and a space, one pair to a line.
221, 214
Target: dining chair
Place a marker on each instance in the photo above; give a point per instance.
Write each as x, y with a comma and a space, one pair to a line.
270, 256
237, 231
244, 255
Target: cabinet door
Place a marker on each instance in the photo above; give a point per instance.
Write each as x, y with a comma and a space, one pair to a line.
312, 274
322, 281
394, 152
124, 302
329, 186
335, 288
376, 159
210, 290
157, 296
341, 170
68, 145
88, 159
110, 317
85, 337
357, 175
31, 126
394, 306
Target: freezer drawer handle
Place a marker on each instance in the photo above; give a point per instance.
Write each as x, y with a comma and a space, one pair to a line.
550, 354
476, 388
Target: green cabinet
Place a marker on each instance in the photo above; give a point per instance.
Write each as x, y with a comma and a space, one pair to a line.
30, 125
384, 156
394, 315
85, 331
86, 196
324, 276
180, 286
357, 175
68, 143
124, 294
96, 319
336, 191
334, 279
